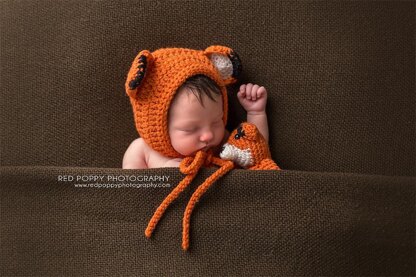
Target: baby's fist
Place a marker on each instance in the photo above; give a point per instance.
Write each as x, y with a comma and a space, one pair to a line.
253, 98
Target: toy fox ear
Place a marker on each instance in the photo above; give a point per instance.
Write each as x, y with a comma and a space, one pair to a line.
137, 72
226, 61
250, 130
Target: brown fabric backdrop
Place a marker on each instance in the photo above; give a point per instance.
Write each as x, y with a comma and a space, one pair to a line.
340, 77
341, 82
303, 223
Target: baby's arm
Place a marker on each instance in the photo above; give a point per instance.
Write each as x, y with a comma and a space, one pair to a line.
260, 120
253, 98
135, 156
139, 155
172, 163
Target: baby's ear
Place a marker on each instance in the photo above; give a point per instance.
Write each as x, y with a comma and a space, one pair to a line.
137, 72
226, 61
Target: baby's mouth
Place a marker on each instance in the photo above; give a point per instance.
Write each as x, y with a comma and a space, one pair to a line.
205, 148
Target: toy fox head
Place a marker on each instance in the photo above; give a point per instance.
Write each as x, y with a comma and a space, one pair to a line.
246, 146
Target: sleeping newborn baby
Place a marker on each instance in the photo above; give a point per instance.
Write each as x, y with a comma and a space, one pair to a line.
180, 102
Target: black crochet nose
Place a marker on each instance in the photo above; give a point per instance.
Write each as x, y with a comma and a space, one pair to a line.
222, 148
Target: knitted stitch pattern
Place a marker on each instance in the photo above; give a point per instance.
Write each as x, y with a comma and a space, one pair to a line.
190, 166
152, 82
247, 147
154, 78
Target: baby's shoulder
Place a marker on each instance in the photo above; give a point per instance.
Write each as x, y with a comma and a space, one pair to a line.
136, 155
138, 143
138, 146
141, 155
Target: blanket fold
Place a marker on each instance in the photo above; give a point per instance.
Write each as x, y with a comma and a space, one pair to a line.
63, 220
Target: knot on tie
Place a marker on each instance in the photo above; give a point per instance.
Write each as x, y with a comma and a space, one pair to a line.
191, 165
209, 159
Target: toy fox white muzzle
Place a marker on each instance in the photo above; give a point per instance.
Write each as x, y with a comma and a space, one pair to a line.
248, 148
242, 157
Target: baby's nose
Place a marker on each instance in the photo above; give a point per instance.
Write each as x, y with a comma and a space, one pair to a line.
207, 136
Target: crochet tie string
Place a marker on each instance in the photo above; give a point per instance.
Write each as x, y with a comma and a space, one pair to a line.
190, 166
226, 166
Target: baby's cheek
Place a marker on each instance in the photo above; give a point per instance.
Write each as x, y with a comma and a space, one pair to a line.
183, 142
177, 139
220, 137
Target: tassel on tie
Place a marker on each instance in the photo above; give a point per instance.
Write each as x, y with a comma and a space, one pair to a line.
190, 166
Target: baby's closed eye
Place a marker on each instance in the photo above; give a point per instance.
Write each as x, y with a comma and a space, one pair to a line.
188, 129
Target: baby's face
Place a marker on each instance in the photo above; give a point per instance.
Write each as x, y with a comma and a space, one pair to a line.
194, 127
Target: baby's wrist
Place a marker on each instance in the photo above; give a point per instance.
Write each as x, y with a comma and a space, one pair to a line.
251, 113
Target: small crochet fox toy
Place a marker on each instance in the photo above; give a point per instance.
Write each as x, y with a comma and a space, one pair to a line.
248, 148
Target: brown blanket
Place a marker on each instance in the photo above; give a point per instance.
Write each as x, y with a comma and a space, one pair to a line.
249, 223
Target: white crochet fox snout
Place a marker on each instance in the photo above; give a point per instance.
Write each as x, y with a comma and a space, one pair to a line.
242, 157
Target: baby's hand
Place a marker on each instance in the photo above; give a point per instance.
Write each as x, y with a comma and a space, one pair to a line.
253, 98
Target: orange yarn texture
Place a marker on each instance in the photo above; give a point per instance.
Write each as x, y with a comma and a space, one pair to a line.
152, 83
247, 147
246, 139
190, 166
154, 79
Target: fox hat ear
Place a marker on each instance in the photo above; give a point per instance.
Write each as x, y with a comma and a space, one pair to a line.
226, 61
137, 72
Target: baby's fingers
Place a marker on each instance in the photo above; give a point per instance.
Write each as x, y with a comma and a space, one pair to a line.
242, 91
249, 88
253, 93
261, 92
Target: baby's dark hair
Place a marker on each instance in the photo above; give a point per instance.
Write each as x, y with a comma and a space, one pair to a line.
201, 84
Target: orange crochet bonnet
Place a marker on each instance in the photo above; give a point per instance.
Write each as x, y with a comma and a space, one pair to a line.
154, 79
152, 82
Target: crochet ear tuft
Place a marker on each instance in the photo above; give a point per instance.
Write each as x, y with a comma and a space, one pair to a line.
137, 72
250, 130
226, 61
